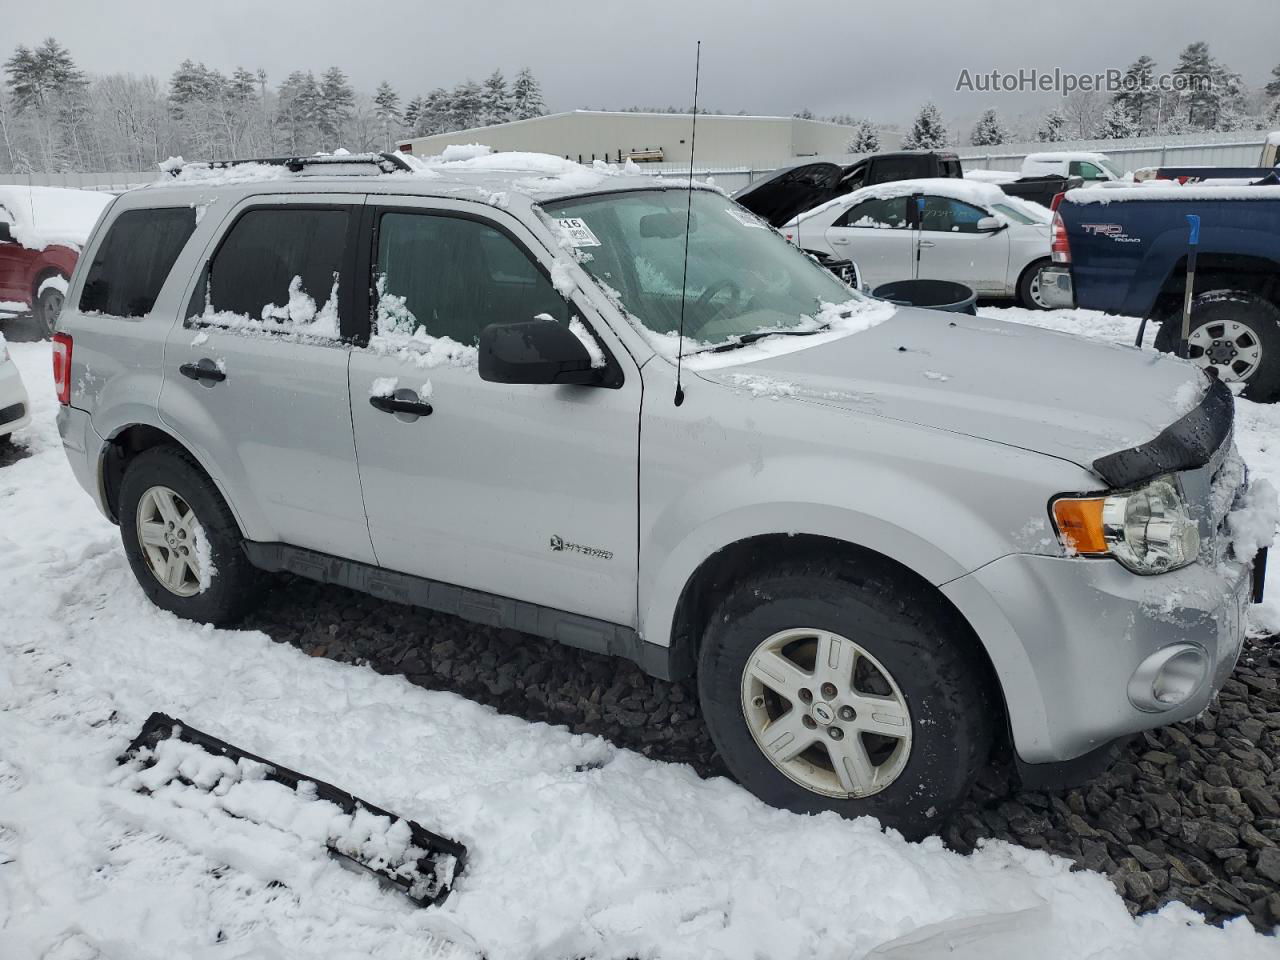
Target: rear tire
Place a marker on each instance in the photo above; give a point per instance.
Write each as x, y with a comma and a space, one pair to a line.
48, 306
214, 581
1029, 294
1226, 321
916, 653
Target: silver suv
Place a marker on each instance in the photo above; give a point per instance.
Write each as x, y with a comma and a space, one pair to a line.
887, 542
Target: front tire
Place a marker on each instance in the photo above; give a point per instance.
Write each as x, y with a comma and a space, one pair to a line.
847, 688
1236, 334
181, 540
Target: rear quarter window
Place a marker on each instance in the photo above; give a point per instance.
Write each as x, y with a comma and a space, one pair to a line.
133, 260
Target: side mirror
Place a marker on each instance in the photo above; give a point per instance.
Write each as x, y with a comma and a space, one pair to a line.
536, 351
6, 236
991, 225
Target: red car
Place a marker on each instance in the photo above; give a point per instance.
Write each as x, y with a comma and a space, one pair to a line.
41, 232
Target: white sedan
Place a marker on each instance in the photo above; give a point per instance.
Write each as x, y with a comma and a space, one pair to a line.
972, 233
15, 409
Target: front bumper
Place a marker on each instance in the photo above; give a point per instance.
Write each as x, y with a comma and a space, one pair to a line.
1078, 643
1057, 288
15, 409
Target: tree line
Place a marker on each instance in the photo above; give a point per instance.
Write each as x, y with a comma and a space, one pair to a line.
55, 117
1207, 95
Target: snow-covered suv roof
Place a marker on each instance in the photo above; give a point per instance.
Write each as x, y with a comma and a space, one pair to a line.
494, 178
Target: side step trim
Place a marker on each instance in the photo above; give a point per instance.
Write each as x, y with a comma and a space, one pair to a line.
443, 861
572, 629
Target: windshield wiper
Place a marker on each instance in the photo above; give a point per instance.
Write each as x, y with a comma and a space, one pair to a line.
750, 338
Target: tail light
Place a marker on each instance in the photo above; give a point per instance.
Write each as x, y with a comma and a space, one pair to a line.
1057, 201
1059, 244
62, 367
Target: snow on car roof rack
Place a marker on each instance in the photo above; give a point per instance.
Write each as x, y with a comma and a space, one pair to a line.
330, 164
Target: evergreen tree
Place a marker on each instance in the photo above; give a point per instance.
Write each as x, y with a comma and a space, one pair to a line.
1052, 126
465, 106
804, 114
928, 132
298, 111
1211, 90
1273, 88
242, 84
1117, 124
1138, 98
386, 108
437, 111
989, 130
335, 106
413, 113
36, 78
495, 101
865, 137
526, 96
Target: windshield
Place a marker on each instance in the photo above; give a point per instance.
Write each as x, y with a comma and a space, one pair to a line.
743, 277
1110, 167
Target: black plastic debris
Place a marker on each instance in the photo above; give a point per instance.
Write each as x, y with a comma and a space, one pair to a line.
420, 864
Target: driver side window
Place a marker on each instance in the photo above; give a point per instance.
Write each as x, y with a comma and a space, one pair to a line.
1088, 171
888, 214
452, 277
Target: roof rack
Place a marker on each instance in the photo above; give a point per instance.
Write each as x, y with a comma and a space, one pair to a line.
383, 162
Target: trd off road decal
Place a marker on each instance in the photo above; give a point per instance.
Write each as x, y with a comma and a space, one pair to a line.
559, 544
1112, 231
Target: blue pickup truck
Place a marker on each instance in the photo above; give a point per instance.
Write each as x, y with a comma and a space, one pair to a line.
1124, 250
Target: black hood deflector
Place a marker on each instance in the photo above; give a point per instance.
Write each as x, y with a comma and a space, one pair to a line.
1183, 445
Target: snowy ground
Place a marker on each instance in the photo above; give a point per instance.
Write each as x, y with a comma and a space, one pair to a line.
578, 848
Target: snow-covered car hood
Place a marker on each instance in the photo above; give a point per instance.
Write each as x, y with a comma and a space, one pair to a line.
1053, 393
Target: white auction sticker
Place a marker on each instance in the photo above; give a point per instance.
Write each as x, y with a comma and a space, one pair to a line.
578, 232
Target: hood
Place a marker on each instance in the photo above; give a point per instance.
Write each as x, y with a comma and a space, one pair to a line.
785, 195
1053, 393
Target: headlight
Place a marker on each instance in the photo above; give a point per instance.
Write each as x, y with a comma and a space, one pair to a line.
1149, 530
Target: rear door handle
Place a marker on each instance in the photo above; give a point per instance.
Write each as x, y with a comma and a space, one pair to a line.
927, 243
206, 369
839, 239
419, 408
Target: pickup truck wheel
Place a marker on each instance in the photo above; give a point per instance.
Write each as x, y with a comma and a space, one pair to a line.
1235, 336
181, 540
1029, 294
853, 691
48, 307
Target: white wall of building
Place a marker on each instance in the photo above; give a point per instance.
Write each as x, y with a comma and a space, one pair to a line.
763, 142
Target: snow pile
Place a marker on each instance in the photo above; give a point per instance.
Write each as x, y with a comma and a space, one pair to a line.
579, 330
298, 316
1171, 190
1188, 396
759, 385
1252, 524
384, 386
991, 176
578, 848
398, 333
464, 151
42, 217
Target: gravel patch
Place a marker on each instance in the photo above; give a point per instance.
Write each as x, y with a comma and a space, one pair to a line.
1189, 812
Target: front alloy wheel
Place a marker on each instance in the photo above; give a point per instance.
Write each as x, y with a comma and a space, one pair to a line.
173, 542
826, 713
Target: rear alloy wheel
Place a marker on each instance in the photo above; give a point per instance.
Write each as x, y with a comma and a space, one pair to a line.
1030, 292
173, 542
1235, 337
48, 308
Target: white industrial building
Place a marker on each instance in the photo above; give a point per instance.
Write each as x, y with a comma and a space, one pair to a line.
761, 143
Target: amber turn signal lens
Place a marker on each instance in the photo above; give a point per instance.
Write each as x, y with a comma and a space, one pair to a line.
1080, 524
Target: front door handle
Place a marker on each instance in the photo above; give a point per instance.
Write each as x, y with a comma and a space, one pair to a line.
205, 370
927, 243
839, 239
419, 408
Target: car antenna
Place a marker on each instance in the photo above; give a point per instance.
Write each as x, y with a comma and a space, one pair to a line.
688, 220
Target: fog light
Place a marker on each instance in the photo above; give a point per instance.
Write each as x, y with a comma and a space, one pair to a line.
1168, 678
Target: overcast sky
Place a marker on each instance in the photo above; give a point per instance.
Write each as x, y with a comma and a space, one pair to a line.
880, 59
